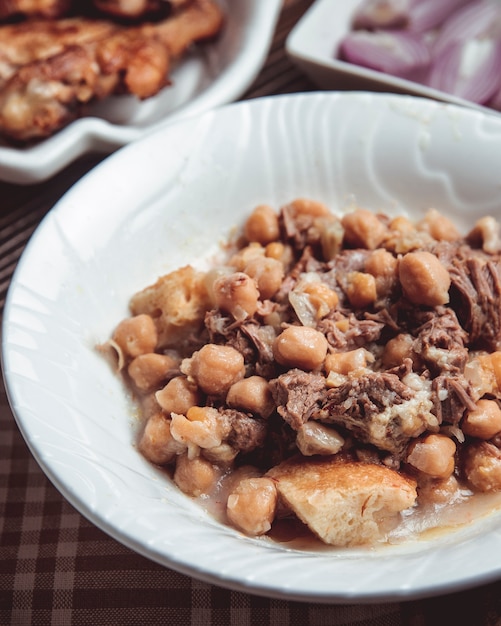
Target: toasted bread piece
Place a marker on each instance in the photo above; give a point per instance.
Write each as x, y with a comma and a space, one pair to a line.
345, 504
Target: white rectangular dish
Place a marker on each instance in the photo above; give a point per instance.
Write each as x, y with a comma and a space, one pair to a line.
313, 45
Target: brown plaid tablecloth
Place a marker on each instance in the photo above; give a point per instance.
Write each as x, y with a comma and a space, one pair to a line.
58, 569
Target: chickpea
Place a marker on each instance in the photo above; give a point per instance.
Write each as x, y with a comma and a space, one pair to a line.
483, 373
300, 346
384, 267
322, 297
197, 476
438, 490
136, 335
484, 422
482, 466
251, 506
157, 443
237, 294
200, 427
433, 455
361, 289
268, 274
312, 208
215, 368
440, 227
363, 229
178, 395
280, 252
346, 362
402, 225
251, 394
486, 233
245, 255
397, 349
424, 279
149, 370
262, 225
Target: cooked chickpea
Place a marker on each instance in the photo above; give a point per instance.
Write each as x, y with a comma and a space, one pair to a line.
433, 455
363, 229
384, 267
397, 349
262, 225
440, 227
245, 255
322, 297
438, 490
157, 443
402, 225
200, 427
237, 294
251, 506
484, 422
313, 208
215, 368
486, 233
178, 395
280, 252
251, 394
196, 476
136, 335
149, 370
346, 362
482, 466
300, 346
268, 274
361, 289
424, 279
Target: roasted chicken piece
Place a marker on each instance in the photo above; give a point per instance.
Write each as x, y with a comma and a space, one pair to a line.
136, 8
49, 75
41, 8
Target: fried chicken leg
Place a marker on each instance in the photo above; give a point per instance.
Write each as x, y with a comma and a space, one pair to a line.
40, 96
40, 8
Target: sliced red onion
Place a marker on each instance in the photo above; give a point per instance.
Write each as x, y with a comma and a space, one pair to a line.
375, 14
426, 15
476, 19
394, 52
469, 70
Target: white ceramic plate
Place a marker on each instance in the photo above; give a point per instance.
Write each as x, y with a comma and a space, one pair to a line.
313, 45
215, 74
107, 239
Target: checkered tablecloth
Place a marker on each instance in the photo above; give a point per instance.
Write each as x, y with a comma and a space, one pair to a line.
57, 568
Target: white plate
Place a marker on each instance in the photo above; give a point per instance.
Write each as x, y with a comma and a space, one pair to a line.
105, 240
217, 74
313, 45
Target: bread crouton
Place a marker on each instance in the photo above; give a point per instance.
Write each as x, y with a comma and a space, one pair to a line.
344, 504
177, 302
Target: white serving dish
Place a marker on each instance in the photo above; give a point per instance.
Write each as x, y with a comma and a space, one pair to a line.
216, 74
105, 240
313, 45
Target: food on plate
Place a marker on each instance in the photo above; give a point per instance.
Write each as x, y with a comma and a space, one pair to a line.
34, 8
341, 371
51, 69
453, 46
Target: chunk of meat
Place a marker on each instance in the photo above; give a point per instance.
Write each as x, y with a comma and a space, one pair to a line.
298, 394
381, 409
476, 284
